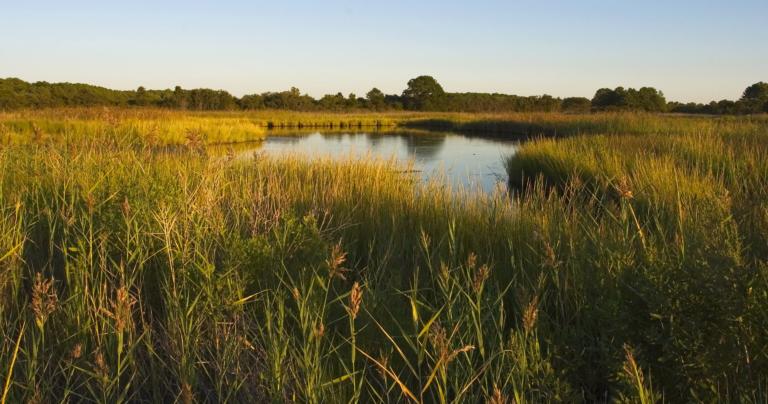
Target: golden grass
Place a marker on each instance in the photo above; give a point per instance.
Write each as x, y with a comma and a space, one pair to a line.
132, 272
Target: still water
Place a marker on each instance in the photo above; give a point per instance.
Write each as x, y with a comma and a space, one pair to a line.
464, 161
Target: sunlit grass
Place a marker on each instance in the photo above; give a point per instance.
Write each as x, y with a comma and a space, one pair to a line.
155, 128
177, 127
632, 268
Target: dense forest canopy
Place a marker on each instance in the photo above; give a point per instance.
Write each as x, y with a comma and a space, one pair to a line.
422, 93
645, 99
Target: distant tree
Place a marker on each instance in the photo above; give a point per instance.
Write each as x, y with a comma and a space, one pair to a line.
375, 99
423, 93
140, 97
605, 98
754, 100
352, 101
393, 101
576, 105
757, 91
646, 99
291, 100
723, 107
252, 101
547, 103
330, 102
179, 98
204, 99
649, 99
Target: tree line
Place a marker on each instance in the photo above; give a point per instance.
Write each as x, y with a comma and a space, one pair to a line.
422, 93
754, 100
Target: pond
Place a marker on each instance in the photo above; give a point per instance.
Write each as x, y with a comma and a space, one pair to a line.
467, 161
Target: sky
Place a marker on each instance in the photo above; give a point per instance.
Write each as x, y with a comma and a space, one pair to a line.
691, 50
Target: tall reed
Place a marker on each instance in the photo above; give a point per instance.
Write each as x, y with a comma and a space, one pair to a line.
630, 269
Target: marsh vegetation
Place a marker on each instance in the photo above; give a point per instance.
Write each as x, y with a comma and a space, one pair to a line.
628, 264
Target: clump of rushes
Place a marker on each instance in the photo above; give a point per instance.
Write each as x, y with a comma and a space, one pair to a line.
135, 272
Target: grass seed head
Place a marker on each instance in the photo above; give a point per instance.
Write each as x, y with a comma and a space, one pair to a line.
121, 309
439, 340
319, 330
101, 366
90, 203
384, 361
355, 298
531, 314
444, 272
456, 352
498, 397
481, 275
631, 367
472, 261
126, 207
550, 256
77, 351
624, 189
335, 262
44, 299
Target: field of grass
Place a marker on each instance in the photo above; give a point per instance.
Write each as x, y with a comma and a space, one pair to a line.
688, 270
155, 127
177, 127
170, 127
531, 125
627, 267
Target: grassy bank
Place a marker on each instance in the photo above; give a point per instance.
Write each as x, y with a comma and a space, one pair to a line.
167, 127
532, 125
151, 126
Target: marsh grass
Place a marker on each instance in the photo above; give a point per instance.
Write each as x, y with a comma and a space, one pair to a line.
534, 125
151, 127
131, 272
178, 127
695, 208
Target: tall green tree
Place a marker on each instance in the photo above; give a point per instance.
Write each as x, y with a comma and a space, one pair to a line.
140, 97
180, 99
757, 91
375, 99
754, 100
646, 99
423, 93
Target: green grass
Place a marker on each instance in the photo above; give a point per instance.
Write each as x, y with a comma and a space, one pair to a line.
632, 268
168, 127
690, 271
532, 125
151, 126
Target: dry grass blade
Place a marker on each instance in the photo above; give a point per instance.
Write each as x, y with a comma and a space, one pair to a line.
12, 364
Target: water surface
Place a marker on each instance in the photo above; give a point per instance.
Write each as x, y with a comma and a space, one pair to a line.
466, 161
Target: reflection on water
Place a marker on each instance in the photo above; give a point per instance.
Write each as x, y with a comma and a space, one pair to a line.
465, 161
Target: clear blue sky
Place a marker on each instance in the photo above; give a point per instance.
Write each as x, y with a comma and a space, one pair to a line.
692, 50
